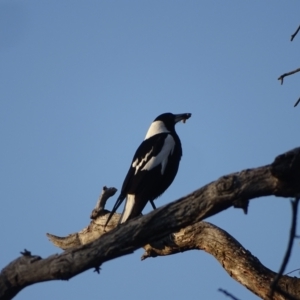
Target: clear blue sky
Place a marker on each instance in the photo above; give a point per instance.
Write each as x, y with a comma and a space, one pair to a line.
80, 83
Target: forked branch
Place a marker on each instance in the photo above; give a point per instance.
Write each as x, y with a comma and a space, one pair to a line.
281, 77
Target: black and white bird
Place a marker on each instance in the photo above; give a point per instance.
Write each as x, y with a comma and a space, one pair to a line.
153, 168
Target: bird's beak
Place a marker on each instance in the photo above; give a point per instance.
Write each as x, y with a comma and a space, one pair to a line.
182, 117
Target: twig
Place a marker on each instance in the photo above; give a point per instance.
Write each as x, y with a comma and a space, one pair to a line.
287, 74
227, 294
289, 248
292, 272
105, 194
297, 102
293, 35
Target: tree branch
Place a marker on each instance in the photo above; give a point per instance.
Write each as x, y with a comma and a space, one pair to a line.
295, 33
281, 178
281, 77
105, 194
292, 72
227, 294
238, 262
297, 102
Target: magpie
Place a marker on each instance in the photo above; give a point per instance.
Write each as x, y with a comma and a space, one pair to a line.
153, 167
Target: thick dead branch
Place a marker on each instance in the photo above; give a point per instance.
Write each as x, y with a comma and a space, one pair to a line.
281, 178
295, 33
281, 77
238, 262
237, 188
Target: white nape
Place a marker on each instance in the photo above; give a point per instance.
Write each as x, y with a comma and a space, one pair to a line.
155, 128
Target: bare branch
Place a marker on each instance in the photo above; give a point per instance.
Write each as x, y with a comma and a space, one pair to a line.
105, 194
297, 102
295, 33
227, 294
287, 74
281, 178
292, 271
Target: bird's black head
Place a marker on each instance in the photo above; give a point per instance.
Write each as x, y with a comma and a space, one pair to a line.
170, 119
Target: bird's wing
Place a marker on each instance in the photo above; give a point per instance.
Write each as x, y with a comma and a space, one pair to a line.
153, 152
160, 155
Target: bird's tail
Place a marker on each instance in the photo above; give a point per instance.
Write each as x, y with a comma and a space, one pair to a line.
129, 209
116, 206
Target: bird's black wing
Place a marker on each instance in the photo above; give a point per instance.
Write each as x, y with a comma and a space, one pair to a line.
146, 158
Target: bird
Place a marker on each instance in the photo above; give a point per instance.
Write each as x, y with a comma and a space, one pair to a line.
153, 167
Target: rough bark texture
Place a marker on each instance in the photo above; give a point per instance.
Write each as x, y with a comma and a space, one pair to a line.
91, 247
238, 262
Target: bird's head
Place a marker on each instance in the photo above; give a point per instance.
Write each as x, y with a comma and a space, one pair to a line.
165, 123
170, 119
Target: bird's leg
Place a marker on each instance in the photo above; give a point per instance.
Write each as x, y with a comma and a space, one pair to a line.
152, 203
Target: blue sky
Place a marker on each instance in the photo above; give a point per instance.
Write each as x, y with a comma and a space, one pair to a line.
80, 84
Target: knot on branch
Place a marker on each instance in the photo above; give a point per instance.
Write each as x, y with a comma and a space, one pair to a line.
180, 241
163, 243
18, 265
226, 184
27, 258
230, 185
26, 252
241, 203
286, 166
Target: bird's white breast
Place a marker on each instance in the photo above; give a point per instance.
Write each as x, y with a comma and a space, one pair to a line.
155, 128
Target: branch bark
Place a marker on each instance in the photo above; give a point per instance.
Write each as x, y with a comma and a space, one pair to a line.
91, 247
238, 262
